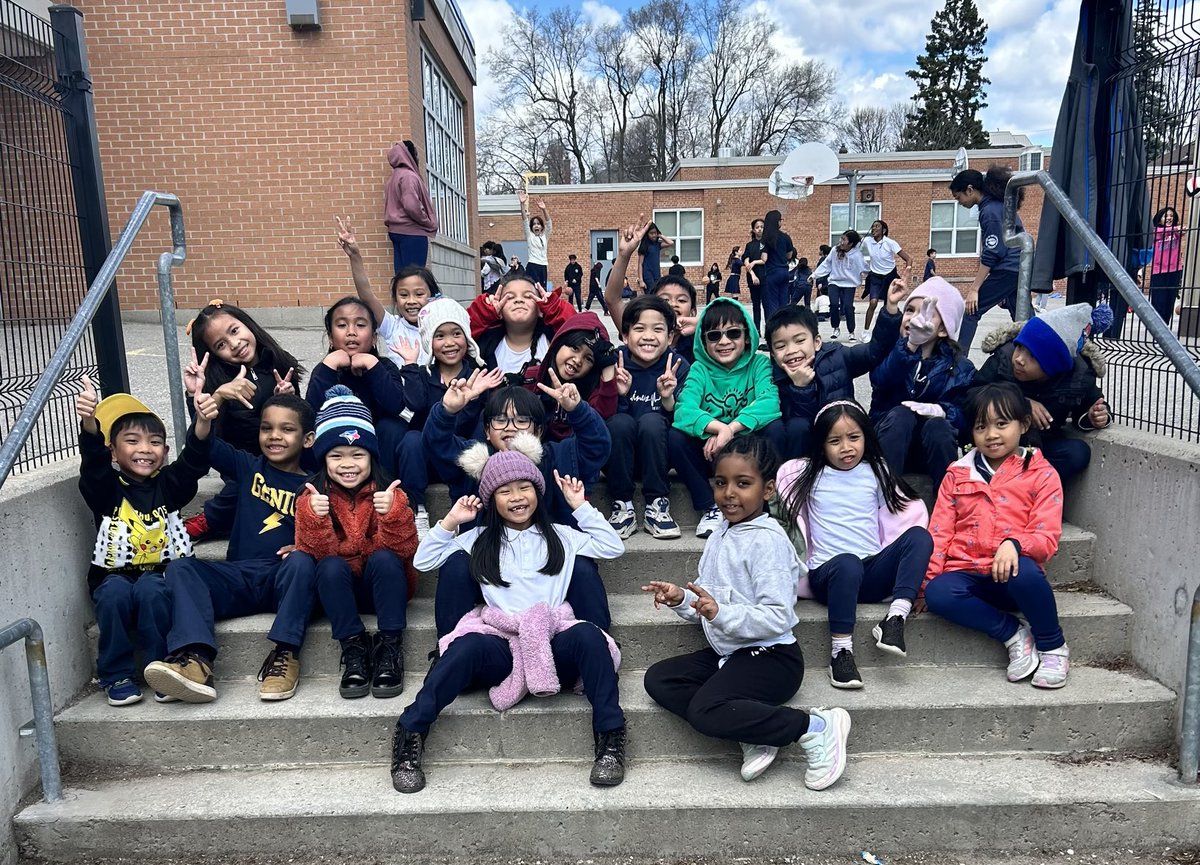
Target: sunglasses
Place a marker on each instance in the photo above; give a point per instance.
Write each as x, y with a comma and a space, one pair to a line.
734, 334
501, 421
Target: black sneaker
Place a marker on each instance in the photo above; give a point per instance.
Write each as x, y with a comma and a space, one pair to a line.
843, 672
609, 768
407, 750
356, 666
889, 636
389, 665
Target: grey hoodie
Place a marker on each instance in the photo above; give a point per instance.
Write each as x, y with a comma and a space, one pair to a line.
751, 570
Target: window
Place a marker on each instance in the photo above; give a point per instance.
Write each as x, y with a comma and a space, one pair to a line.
953, 229
1031, 160
839, 219
445, 159
686, 228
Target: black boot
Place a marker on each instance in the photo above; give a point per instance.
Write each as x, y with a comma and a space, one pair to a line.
609, 768
356, 666
407, 750
389, 665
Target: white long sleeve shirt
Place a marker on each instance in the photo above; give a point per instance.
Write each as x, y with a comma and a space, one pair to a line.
523, 554
843, 272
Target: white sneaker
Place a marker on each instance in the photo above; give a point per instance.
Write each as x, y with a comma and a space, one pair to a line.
657, 519
1022, 655
1052, 668
835, 333
825, 752
622, 519
756, 759
866, 336
853, 338
421, 518
709, 522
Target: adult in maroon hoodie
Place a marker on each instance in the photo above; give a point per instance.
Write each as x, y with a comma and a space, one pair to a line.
407, 208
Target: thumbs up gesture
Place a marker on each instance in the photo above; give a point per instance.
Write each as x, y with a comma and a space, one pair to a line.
85, 406
240, 388
318, 501
704, 604
383, 499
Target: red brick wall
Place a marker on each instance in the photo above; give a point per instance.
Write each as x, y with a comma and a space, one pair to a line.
264, 133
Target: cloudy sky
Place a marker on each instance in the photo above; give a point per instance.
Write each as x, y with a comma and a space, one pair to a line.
1028, 48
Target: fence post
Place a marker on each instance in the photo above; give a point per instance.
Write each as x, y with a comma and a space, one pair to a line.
79, 118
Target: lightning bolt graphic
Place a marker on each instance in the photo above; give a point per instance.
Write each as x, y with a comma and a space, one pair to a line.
274, 521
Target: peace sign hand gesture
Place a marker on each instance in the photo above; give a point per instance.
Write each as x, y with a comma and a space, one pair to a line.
193, 373
668, 381
664, 593
284, 385
346, 239
631, 237
317, 501
704, 604
623, 376
382, 500
566, 395
898, 290
85, 406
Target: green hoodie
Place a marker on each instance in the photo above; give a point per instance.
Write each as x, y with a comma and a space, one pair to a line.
713, 393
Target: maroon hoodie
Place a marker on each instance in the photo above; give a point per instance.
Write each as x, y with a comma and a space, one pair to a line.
599, 394
407, 207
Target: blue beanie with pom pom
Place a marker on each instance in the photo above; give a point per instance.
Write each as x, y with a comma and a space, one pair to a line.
344, 421
1055, 338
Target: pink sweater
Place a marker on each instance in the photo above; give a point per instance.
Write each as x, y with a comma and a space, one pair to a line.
407, 207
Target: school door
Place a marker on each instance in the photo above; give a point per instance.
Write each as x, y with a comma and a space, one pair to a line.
604, 250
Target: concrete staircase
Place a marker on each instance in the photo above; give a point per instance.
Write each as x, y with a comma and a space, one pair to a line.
945, 753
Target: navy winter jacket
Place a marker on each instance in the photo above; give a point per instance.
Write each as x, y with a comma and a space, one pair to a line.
942, 378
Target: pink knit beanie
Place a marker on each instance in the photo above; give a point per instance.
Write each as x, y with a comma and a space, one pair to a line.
518, 463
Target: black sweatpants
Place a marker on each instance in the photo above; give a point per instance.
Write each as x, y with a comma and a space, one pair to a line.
741, 701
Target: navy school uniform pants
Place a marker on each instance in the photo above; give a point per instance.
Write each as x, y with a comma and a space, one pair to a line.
413, 469
741, 700
476, 661
908, 440
382, 588
537, 273
790, 437
205, 593
392, 433
895, 571
1069, 456
776, 288
639, 446
756, 300
841, 305
408, 249
977, 602
687, 458
593, 294
141, 604
458, 593
1000, 287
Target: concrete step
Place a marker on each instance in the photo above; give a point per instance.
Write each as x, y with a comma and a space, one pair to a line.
894, 804
1097, 628
678, 559
945, 710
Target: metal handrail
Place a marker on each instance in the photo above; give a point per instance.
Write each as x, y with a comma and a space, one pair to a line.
43, 703
23, 427
1189, 735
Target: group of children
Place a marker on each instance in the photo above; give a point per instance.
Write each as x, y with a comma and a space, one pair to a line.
520, 404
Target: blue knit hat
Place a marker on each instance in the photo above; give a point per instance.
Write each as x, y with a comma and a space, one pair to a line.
1055, 337
344, 421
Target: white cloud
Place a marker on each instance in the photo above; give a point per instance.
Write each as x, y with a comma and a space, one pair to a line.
485, 19
1028, 66
599, 14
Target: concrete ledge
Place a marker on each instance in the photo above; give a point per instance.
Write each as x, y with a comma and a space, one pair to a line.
1141, 497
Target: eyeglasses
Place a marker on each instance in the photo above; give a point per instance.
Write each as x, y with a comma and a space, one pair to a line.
501, 421
734, 334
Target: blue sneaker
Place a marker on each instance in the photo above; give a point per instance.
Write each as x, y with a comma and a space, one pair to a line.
658, 520
123, 692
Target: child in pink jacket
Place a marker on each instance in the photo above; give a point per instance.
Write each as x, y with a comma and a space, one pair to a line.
408, 210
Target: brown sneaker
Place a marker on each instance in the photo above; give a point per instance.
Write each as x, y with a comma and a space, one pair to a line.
279, 675
183, 675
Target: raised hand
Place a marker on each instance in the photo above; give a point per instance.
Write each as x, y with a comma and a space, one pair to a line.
542, 205
920, 326
464, 510
664, 593
623, 376
193, 373
522, 196
898, 290
337, 359
283, 385
705, 605
382, 500
483, 380
346, 239
407, 350
85, 405
668, 381
572, 489
239, 388
631, 237
457, 395
206, 406
318, 501
566, 395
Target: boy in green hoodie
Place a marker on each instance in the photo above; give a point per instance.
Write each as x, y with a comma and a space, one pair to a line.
728, 390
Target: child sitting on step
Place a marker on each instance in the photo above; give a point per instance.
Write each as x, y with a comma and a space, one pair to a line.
138, 526
744, 598
864, 530
356, 523
525, 638
515, 324
997, 521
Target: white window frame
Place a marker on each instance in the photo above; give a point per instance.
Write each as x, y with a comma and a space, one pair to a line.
864, 213
674, 250
445, 156
955, 230
1026, 161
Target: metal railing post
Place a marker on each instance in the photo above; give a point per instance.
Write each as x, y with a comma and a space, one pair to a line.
1024, 240
166, 294
1189, 738
43, 703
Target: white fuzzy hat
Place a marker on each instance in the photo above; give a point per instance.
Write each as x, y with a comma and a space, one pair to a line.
444, 310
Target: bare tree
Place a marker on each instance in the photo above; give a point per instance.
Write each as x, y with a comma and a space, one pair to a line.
660, 31
789, 106
622, 71
874, 130
543, 64
737, 53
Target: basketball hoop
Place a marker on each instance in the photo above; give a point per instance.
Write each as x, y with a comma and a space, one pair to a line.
805, 167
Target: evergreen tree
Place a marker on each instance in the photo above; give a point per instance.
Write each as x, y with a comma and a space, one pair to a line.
950, 82
1151, 81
